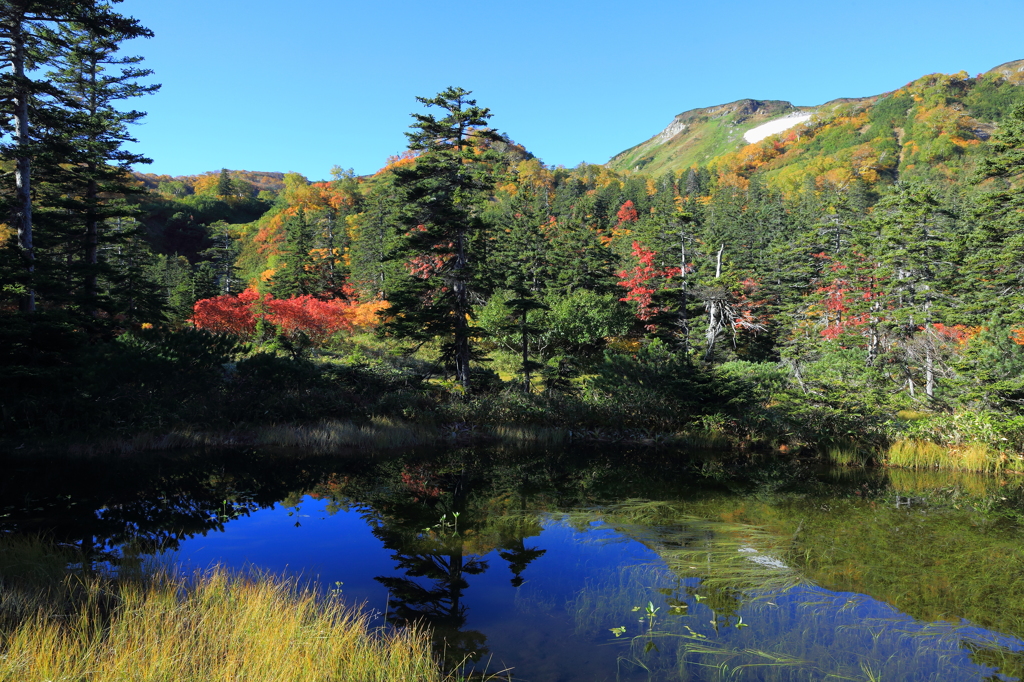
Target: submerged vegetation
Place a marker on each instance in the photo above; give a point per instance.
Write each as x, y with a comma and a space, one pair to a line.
746, 567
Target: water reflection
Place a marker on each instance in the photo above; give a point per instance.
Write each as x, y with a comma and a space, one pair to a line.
578, 565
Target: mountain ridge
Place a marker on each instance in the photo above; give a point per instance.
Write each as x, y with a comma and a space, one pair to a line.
711, 136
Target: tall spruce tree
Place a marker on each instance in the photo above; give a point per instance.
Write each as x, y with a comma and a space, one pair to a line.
444, 188
916, 231
30, 39
374, 237
296, 274
994, 266
86, 170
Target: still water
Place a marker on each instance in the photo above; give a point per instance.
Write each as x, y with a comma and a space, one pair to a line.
589, 565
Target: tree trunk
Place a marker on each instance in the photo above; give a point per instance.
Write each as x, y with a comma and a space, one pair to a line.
459, 289
929, 364
23, 163
92, 240
684, 321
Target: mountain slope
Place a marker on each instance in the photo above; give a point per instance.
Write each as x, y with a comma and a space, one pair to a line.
933, 127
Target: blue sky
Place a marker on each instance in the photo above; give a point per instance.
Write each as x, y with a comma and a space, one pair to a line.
305, 85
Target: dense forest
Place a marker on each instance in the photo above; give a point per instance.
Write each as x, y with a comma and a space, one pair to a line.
850, 286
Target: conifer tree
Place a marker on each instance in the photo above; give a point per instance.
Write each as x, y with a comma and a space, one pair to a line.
993, 264
374, 238
29, 40
85, 168
296, 275
444, 188
916, 231
518, 257
224, 187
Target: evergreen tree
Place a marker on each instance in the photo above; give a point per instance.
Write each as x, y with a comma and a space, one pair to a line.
224, 186
374, 239
296, 273
87, 172
993, 262
519, 220
578, 258
916, 231
30, 39
444, 189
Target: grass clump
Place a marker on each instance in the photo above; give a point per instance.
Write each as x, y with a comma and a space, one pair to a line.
212, 626
923, 454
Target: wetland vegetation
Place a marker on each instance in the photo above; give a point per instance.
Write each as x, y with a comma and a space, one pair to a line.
573, 563
626, 390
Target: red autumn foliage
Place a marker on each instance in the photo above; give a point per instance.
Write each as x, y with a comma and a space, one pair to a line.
417, 481
314, 317
227, 314
627, 213
318, 319
642, 282
425, 265
956, 333
747, 306
847, 298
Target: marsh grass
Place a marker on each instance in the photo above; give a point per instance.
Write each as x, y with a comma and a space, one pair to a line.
971, 456
324, 437
56, 625
849, 455
912, 415
530, 434
725, 556
707, 629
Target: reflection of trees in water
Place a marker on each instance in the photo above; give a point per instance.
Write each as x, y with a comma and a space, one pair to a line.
115, 509
438, 604
519, 556
437, 557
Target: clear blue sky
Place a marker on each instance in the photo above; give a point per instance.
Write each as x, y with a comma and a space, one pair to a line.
305, 85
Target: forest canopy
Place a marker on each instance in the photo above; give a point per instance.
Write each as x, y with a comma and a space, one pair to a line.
807, 288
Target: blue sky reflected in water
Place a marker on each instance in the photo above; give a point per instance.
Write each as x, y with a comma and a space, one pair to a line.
557, 623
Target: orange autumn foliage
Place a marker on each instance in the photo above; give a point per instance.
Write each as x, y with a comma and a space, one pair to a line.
406, 158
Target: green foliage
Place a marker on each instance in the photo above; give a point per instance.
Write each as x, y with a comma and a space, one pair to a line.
440, 223
889, 112
656, 387
992, 98
764, 381
580, 321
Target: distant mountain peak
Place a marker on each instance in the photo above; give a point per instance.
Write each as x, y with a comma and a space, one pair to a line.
950, 114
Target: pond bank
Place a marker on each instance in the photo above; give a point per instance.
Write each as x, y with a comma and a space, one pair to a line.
59, 624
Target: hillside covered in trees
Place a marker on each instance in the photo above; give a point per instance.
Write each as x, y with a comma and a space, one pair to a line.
849, 284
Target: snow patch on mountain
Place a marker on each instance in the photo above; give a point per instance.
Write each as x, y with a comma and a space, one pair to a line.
777, 126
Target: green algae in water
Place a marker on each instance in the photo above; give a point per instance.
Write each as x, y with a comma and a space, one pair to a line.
723, 605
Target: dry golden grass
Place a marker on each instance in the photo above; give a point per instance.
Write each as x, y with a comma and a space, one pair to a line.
215, 626
922, 454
